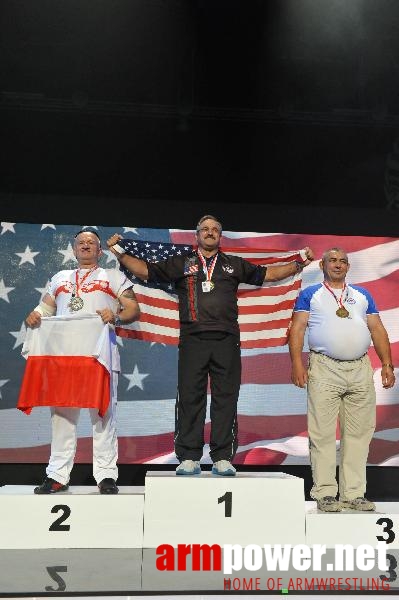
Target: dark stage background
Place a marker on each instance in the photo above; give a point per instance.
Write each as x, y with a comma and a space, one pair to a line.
276, 115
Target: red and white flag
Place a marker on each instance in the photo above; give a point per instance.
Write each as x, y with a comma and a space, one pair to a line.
69, 361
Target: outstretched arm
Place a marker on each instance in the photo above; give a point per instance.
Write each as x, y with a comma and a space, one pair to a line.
135, 265
299, 375
275, 273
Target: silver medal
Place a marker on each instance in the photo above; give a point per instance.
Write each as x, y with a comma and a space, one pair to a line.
76, 303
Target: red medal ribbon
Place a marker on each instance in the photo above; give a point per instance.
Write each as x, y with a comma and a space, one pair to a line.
78, 284
208, 270
338, 301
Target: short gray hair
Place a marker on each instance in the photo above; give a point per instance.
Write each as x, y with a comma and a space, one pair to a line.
205, 218
336, 249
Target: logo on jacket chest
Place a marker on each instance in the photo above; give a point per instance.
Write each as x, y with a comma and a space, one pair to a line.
228, 269
191, 266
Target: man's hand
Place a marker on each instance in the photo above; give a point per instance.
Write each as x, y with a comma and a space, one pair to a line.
387, 376
107, 315
34, 319
114, 239
309, 256
299, 375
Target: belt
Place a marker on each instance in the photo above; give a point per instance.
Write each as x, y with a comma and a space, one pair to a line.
337, 359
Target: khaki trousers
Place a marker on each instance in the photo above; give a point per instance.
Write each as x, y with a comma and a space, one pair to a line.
344, 390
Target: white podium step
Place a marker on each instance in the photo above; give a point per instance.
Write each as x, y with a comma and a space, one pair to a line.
353, 527
78, 518
251, 508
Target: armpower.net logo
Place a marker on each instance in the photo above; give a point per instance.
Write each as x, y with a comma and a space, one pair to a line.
281, 567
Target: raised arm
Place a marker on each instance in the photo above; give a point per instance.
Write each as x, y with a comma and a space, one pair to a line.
275, 273
382, 347
299, 374
135, 265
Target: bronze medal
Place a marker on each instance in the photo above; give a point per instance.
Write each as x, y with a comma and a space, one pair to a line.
76, 303
342, 312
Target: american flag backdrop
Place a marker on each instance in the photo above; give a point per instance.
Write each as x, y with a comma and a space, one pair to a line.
272, 412
264, 314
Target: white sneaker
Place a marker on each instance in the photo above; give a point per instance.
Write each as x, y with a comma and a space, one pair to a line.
189, 467
224, 468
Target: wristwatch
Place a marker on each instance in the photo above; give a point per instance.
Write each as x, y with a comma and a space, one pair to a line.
299, 266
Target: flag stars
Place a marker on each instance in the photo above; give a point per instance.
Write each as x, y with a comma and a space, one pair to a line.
47, 225
68, 254
19, 335
135, 379
4, 291
27, 256
44, 289
7, 227
130, 229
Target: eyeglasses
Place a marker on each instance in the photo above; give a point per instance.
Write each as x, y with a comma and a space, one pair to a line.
209, 230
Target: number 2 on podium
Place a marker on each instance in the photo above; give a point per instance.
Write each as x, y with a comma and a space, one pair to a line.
57, 525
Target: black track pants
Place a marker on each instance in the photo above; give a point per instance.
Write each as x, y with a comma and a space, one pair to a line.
219, 358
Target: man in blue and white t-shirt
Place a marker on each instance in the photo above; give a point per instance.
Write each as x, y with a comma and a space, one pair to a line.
343, 321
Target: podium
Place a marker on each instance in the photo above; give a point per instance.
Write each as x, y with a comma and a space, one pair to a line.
78, 518
188, 518
75, 541
178, 534
354, 527
250, 508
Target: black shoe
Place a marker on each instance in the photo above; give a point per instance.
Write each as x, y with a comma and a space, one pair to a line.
50, 486
108, 486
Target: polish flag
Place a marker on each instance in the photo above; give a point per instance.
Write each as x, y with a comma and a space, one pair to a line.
69, 362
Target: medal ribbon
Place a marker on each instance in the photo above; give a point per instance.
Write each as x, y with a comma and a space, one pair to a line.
338, 301
208, 270
78, 284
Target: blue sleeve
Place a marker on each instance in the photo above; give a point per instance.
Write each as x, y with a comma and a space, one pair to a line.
303, 301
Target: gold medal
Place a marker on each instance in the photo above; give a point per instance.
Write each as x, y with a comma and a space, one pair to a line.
342, 312
212, 285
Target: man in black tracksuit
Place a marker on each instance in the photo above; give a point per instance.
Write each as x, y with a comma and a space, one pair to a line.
206, 282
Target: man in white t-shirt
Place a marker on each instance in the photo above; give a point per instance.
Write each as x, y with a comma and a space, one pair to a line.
87, 289
342, 320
